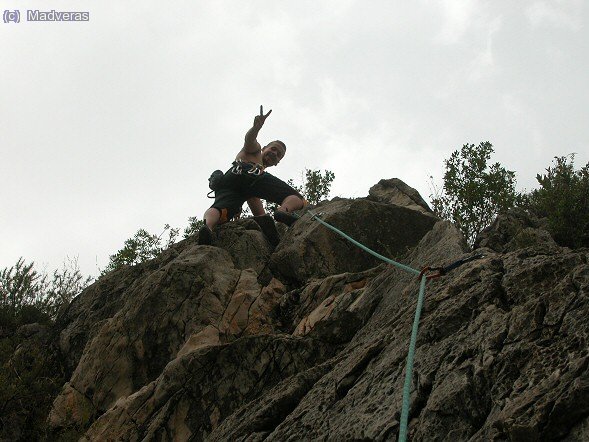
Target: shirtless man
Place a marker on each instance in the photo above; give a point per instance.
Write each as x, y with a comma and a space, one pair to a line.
248, 181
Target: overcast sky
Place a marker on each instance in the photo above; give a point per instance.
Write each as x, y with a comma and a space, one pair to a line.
115, 124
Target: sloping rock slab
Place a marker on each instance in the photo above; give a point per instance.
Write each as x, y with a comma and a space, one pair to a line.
310, 250
197, 391
89, 311
501, 355
160, 312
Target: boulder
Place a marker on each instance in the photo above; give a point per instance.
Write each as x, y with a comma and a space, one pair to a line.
396, 192
310, 250
513, 230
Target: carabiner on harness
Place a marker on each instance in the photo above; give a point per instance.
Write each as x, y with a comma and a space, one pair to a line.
256, 170
237, 168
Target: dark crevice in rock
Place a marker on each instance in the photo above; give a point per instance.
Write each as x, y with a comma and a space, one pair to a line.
345, 384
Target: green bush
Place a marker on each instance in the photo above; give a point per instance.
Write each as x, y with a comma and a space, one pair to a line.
29, 382
317, 185
141, 247
194, 225
27, 295
563, 199
30, 370
474, 192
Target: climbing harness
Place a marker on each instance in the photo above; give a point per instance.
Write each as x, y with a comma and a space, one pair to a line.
253, 169
257, 170
216, 178
424, 277
237, 168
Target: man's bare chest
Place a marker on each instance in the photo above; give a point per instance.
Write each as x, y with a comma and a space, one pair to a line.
255, 158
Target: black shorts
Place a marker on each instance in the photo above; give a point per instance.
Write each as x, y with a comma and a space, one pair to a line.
244, 181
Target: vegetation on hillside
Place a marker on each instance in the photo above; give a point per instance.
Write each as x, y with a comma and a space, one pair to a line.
30, 371
474, 192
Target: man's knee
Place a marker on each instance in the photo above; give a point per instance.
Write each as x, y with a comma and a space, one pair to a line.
293, 202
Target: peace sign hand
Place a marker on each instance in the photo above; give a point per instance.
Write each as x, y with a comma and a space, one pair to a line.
260, 119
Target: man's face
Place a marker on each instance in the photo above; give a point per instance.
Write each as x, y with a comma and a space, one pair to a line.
272, 154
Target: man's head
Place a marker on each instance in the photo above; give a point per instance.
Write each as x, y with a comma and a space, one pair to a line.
273, 153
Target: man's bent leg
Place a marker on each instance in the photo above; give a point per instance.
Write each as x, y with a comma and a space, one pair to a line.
256, 206
292, 203
212, 217
273, 189
205, 233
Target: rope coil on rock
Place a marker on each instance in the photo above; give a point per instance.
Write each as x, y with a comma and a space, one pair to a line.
424, 278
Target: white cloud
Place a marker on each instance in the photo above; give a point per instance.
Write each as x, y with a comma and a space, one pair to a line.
560, 13
458, 16
115, 124
484, 64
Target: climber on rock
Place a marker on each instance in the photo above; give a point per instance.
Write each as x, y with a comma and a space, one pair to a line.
248, 180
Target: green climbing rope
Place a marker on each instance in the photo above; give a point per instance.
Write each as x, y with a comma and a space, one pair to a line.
409, 366
363, 247
413, 341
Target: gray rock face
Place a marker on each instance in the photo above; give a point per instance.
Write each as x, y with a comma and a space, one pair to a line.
309, 341
396, 192
514, 230
502, 355
309, 250
197, 391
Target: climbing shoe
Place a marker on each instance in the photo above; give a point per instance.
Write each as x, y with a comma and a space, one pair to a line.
284, 217
268, 227
205, 236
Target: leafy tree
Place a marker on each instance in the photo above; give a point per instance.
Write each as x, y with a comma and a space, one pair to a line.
20, 285
27, 295
194, 225
31, 375
141, 247
474, 192
316, 187
563, 198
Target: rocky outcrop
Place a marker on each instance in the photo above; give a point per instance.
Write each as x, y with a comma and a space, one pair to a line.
514, 230
502, 355
396, 192
309, 250
308, 341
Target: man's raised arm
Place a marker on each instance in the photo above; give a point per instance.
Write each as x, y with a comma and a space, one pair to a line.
251, 144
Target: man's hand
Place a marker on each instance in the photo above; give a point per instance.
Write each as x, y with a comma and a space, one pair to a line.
260, 119
251, 144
